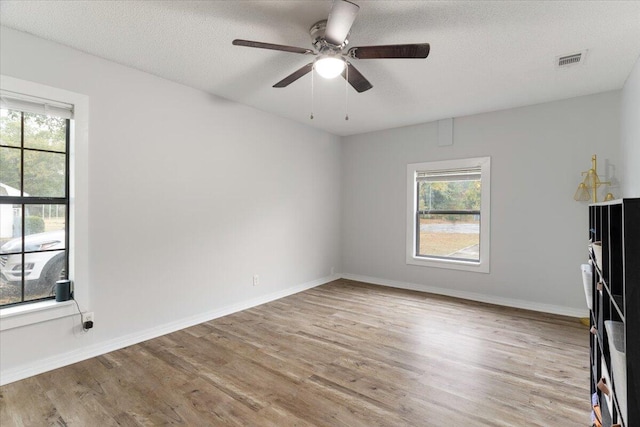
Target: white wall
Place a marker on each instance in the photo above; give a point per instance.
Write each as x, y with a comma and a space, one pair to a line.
190, 195
538, 232
630, 134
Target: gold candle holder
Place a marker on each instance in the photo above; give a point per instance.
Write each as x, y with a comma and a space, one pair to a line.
588, 188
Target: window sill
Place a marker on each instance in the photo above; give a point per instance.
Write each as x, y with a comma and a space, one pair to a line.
478, 267
29, 314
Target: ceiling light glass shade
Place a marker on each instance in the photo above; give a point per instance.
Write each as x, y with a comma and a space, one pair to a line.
329, 66
582, 193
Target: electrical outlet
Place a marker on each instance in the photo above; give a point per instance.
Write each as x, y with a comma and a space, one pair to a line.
333, 271
256, 280
87, 321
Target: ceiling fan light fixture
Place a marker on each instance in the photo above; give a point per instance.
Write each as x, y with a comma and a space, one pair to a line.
329, 67
329, 38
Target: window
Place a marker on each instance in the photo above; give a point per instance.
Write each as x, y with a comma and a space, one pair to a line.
448, 214
34, 198
40, 101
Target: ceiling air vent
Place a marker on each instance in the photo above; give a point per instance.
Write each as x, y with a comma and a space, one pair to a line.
567, 60
570, 59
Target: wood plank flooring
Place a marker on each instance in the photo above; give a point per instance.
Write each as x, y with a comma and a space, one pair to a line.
342, 354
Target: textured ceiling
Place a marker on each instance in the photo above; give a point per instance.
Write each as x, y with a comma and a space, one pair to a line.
484, 56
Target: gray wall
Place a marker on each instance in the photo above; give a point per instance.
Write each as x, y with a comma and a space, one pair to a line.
189, 196
538, 232
630, 134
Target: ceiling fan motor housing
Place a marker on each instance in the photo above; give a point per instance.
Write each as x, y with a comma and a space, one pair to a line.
317, 33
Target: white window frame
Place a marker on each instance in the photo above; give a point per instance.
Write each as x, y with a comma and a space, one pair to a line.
481, 266
26, 314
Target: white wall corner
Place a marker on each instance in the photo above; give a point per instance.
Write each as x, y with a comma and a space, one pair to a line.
445, 132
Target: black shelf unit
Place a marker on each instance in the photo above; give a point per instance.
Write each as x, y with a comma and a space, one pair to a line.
615, 347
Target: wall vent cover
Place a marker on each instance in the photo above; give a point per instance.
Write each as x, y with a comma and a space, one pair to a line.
566, 60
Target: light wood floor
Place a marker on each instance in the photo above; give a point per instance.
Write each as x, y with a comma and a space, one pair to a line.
342, 354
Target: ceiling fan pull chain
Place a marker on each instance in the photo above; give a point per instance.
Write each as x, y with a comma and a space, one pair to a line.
312, 73
346, 92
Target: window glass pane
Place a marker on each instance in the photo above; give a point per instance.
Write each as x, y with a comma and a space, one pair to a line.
10, 229
41, 271
44, 227
10, 254
44, 132
9, 127
451, 236
10, 293
449, 195
9, 171
44, 174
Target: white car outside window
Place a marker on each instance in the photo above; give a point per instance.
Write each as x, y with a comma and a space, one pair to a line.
41, 269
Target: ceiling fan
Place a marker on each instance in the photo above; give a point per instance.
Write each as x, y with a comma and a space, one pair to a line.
329, 38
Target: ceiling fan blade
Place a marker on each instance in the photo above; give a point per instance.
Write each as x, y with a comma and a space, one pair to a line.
295, 75
261, 45
356, 79
417, 50
340, 20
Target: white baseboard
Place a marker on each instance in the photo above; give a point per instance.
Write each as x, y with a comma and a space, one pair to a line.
55, 362
508, 302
